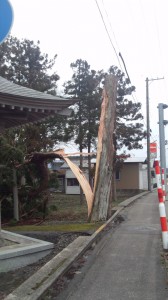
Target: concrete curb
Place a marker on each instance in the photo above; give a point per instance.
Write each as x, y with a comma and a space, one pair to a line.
35, 286
132, 199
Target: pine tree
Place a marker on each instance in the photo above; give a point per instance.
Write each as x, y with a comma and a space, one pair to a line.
129, 126
87, 86
84, 121
23, 63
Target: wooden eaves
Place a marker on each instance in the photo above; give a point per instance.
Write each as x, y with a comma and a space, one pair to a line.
20, 105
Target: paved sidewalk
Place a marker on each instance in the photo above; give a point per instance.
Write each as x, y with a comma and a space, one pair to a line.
127, 263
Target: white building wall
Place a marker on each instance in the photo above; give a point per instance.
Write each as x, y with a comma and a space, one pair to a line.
69, 174
72, 190
143, 180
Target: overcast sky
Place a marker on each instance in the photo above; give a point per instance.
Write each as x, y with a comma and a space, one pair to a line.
74, 29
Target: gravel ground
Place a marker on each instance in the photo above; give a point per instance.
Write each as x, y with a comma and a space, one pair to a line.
12, 279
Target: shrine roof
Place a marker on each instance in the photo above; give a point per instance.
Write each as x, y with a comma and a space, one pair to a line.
20, 105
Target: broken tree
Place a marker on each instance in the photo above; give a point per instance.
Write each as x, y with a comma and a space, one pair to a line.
102, 194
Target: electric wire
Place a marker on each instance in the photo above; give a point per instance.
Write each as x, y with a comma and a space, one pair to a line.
135, 100
107, 32
159, 53
144, 122
110, 25
120, 55
133, 96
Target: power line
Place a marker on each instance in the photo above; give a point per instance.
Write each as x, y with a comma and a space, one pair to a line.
135, 100
120, 55
110, 25
112, 42
108, 32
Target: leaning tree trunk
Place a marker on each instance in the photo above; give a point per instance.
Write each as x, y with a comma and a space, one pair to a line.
104, 163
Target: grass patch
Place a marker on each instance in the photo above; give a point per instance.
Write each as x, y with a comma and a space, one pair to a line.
64, 209
74, 227
68, 208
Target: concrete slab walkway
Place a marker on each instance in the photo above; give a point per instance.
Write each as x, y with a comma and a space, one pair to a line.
127, 263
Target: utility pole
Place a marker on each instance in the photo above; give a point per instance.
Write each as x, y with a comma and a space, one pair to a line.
148, 135
162, 123
148, 131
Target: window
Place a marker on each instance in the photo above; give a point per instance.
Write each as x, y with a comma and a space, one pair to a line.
72, 182
153, 174
117, 175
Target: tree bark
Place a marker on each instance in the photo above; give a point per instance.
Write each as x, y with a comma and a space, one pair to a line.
102, 199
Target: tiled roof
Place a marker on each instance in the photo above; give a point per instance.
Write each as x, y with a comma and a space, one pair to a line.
8, 87
128, 160
20, 105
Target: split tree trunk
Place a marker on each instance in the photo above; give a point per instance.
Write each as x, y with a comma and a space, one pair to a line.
102, 200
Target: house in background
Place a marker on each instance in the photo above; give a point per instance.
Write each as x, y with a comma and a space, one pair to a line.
68, 183
71, 182
131, 176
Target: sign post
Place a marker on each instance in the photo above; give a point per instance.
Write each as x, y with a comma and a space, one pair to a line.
153, 150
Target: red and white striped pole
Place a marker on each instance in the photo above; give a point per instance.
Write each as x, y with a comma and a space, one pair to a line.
163, 222
162, 210
158, 181
163, 185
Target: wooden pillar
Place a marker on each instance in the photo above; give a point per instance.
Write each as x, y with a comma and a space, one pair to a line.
15, 196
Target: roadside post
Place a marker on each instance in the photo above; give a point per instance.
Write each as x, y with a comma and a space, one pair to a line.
163, 184
162, 210
162, 124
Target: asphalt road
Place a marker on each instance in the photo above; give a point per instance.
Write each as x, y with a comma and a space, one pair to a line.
127, 262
